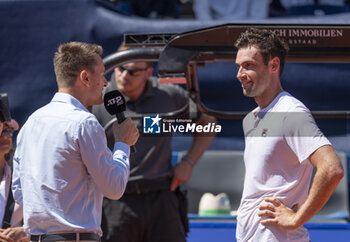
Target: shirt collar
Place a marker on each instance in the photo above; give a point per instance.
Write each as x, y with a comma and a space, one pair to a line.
263, 111
67, 98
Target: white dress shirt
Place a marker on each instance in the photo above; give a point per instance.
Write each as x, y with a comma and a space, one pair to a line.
63, 168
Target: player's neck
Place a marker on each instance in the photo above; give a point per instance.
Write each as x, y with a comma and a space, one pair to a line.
264, 100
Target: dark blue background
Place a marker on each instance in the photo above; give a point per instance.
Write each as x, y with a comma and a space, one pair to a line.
32, 30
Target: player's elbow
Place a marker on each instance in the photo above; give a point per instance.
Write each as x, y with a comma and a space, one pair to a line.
115, 195
336, 173
115, 192
339, 174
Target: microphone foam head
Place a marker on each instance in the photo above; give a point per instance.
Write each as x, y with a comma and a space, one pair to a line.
114, 102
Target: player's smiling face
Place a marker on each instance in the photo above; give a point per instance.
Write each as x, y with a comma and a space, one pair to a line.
252, 73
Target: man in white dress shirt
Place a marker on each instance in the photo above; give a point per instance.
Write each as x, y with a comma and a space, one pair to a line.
62, 166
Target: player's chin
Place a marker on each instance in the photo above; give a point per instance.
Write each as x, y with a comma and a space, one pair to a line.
248, 93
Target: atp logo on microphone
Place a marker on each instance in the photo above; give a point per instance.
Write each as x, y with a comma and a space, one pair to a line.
116, 100
152, 124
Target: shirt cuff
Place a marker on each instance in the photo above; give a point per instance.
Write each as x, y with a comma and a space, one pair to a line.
123, 147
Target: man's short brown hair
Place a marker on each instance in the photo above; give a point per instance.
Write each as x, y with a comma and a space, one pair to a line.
268, 43
73, 57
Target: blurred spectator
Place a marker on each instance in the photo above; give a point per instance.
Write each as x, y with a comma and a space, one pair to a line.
276, 9
290, 3
155, 8
230, 9
314, 7
186, 9
11, 213
122, 6
147, 8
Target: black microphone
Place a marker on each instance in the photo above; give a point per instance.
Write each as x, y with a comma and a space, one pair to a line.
115, 104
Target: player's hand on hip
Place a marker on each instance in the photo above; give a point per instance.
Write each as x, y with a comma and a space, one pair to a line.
275, 212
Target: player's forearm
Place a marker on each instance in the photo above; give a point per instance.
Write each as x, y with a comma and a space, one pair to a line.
324, 184
199, 145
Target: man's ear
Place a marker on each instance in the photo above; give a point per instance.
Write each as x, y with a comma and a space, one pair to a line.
84, 77
150, 72
275, 64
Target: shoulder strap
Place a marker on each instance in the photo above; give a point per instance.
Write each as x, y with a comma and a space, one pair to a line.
10, 205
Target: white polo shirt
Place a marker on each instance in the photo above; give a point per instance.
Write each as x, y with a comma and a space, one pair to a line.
279, 140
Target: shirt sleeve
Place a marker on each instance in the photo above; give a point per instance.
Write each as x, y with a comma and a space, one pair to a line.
109, 171
302, 134
16, 181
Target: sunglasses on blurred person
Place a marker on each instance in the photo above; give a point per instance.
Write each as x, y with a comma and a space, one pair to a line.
7, 131
131, 71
